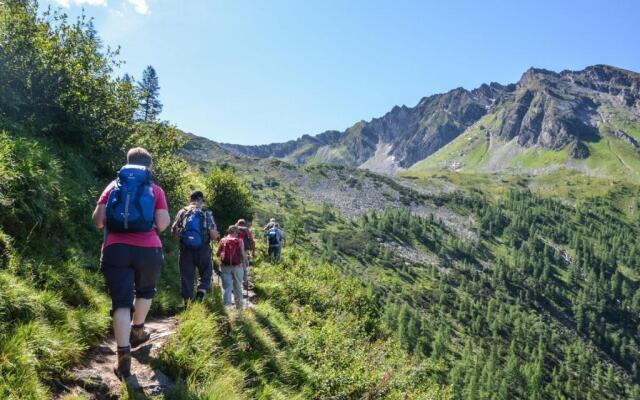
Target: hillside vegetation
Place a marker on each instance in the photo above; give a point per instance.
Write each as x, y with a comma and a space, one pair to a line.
65, 124
431, 284
520, 289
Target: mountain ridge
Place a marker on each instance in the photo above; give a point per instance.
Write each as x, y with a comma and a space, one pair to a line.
544, 109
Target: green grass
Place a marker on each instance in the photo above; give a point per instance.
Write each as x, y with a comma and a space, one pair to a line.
468, 150
306, 338
535, 157
477, 153
196, 355
613, 158
53, 303
629, 124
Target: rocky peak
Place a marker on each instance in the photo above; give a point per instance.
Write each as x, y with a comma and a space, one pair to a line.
544, 108
537, 76
552, 109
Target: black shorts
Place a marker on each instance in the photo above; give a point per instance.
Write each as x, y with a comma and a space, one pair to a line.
130, 272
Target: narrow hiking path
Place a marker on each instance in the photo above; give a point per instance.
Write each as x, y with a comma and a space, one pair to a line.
94, 377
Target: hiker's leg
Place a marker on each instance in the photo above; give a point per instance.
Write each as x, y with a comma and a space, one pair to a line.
238, 274
227, 283
205, 269
122, 326
271, 251
277, 252
142, 307
115, 265
187, 272
147, 264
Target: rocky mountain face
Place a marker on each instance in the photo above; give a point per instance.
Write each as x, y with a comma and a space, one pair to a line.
554, 109
403, 136
544, 108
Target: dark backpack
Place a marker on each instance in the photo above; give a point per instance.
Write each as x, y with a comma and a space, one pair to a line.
231, 249
130, 205
194, 232
274, 237
244, 235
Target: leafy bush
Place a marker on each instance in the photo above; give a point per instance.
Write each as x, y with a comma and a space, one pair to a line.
227, 197
57, 80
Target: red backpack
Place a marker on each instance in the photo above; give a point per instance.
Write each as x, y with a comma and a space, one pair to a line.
232, 252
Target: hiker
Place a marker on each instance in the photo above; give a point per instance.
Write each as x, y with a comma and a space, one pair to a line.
245, 234
232, 256
271, 224
133, 211
195, 227
275, 240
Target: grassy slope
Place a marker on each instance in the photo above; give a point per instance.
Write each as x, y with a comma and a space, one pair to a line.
53, 305
56, 308
307, 338
610, 157
467, 151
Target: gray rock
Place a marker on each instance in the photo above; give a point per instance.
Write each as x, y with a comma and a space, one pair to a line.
578, 150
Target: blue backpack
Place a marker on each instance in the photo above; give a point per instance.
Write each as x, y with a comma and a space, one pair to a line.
194, 228
274, 237
130, 205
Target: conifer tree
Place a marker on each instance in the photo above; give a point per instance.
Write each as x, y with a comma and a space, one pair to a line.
148, 94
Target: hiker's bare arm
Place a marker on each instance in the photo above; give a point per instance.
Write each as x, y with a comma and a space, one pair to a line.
175, 231
99, 216
213, 233
162, 220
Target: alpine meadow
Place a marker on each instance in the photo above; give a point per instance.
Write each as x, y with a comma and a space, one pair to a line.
482, 244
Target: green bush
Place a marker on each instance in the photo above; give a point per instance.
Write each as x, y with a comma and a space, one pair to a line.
227, 197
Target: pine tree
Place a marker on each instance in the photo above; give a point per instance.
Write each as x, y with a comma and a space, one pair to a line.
148, 94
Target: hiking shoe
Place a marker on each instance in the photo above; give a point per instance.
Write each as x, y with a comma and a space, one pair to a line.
123, 368
138, 336
199, 296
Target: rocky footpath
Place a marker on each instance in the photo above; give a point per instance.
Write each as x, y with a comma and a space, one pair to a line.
95, 379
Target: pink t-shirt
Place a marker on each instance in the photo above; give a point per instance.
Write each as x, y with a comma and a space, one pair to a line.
139, 239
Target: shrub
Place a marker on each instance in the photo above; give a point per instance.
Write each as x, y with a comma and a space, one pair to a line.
228, 198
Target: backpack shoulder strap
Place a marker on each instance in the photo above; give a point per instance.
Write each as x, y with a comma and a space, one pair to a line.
183, 216
204, 224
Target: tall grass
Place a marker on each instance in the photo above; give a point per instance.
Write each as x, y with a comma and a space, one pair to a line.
52, 300
309, 336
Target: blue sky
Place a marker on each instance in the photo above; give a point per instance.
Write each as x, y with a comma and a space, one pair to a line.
254, 72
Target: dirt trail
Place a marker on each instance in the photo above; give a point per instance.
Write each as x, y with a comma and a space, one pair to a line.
95, 379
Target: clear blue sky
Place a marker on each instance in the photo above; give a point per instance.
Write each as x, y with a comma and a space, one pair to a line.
254, 72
